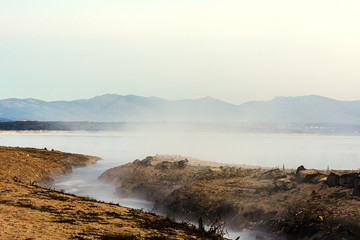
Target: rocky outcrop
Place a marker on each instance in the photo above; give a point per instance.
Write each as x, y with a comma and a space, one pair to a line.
287, 202
161, 165
347, 180
333, 180
304, 175
229, 169
356, 191
145, 162
299, 169
166, 165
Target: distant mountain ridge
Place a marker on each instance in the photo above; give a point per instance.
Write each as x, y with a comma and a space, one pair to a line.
131, 108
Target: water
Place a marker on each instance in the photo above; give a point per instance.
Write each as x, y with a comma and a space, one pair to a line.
272, 150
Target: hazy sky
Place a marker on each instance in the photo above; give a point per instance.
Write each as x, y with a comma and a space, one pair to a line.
233, 50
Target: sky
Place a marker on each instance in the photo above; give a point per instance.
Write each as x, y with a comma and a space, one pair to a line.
233, 50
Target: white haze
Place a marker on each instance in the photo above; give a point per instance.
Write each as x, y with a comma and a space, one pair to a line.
272, 150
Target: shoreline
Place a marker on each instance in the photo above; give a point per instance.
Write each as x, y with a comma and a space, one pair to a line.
250, 133
29, 211
297, 204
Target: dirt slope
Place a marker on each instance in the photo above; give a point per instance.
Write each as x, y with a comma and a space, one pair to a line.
302, 204
28, 211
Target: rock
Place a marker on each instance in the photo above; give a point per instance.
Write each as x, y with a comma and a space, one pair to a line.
284, 184
307, 175
320, 218
356, 181
333, 180
182, 164
226, 170
304, 175
165, 165
348, 180
299, 169
313, 177
147, 161
272, 174
356, 191
137, 162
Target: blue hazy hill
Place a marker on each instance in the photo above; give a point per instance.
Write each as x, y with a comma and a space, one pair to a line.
130, 108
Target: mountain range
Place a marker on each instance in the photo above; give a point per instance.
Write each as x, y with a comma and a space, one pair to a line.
130, 108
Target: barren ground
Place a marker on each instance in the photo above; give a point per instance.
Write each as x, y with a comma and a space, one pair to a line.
298, 205
28, 211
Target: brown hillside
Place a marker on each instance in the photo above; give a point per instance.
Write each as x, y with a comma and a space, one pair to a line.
28, 211
302, 204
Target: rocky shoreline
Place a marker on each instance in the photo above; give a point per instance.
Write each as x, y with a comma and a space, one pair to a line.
29, 211
296, 204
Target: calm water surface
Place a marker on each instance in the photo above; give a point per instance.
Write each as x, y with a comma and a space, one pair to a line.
272, 150
312, 151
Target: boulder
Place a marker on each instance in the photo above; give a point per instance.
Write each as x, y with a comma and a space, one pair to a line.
182, 164
356, 191
314, 177
147, 161
226, 169
304, 175
348, 180
299, 169
165, 165
356, 181
284, 184
137, 162
333, 180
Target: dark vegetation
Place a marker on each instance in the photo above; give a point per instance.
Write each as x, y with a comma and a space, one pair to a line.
306, 128
60, 126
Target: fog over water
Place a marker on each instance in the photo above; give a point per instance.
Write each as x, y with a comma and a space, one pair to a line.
272, 150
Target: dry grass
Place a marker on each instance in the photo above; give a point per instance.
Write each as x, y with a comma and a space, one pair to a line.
245, 198
28, 211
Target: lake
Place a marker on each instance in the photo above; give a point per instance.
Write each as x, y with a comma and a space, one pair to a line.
271, 150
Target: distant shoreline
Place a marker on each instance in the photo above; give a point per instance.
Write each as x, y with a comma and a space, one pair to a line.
231, 127
34, 132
